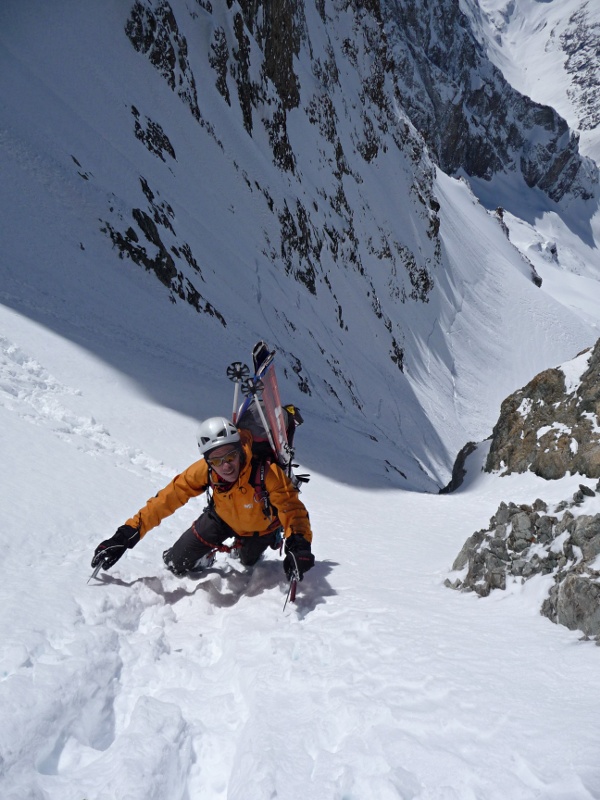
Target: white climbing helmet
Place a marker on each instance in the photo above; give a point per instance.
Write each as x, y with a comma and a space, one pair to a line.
215, 432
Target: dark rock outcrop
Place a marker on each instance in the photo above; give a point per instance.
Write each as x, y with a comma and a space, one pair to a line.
152, 136
154, 31
144, 239
459, 470
523, 541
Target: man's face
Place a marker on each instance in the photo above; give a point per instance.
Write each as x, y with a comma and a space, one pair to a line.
226, 462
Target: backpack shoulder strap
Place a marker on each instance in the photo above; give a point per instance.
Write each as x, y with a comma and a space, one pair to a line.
258, 471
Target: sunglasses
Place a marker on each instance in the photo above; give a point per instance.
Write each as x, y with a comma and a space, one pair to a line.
226, 459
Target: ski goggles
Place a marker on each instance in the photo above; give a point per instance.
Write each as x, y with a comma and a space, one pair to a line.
228, 458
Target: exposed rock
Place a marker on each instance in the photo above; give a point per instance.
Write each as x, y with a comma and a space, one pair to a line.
581, 43
575, 603
459, 471
549, 427
470, 117
153, 30
258, 53
143, 240
279, 27
521, 542
152, 136
218, 59
402, 81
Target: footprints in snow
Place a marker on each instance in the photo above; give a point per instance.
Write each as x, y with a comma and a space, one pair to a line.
31, 392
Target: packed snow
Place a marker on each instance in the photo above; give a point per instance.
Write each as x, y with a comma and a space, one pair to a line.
379, 682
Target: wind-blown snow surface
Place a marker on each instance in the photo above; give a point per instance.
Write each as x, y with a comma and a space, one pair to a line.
380, 683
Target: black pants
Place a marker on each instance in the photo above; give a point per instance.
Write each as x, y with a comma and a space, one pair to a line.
207, 532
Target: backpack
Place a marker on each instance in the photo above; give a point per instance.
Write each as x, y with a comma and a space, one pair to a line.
263, 454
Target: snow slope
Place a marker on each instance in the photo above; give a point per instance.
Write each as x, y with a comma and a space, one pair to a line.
379, 683
71, 166
548, 51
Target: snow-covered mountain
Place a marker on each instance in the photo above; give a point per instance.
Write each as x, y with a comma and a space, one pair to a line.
368, 186
276, 169
549, 52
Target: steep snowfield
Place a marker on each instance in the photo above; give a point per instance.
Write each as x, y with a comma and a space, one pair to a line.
548, 51
379, 683
71, 165
492, 308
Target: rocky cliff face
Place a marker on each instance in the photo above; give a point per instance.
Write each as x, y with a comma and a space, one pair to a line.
291, 82
563, 40
470, 117
580, 41
552, 425
370, 79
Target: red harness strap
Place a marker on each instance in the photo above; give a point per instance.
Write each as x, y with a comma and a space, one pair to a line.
221, 548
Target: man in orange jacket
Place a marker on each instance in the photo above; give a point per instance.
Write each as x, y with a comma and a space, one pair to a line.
235, 509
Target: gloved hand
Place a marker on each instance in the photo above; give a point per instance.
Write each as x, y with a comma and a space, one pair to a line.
110, 551
298, 555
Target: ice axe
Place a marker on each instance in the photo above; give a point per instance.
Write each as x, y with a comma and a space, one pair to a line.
295, 577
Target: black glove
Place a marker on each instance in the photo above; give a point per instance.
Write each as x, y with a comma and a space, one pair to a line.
298, 556
110, 551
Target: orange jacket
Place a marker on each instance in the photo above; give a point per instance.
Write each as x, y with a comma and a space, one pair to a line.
237, 506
